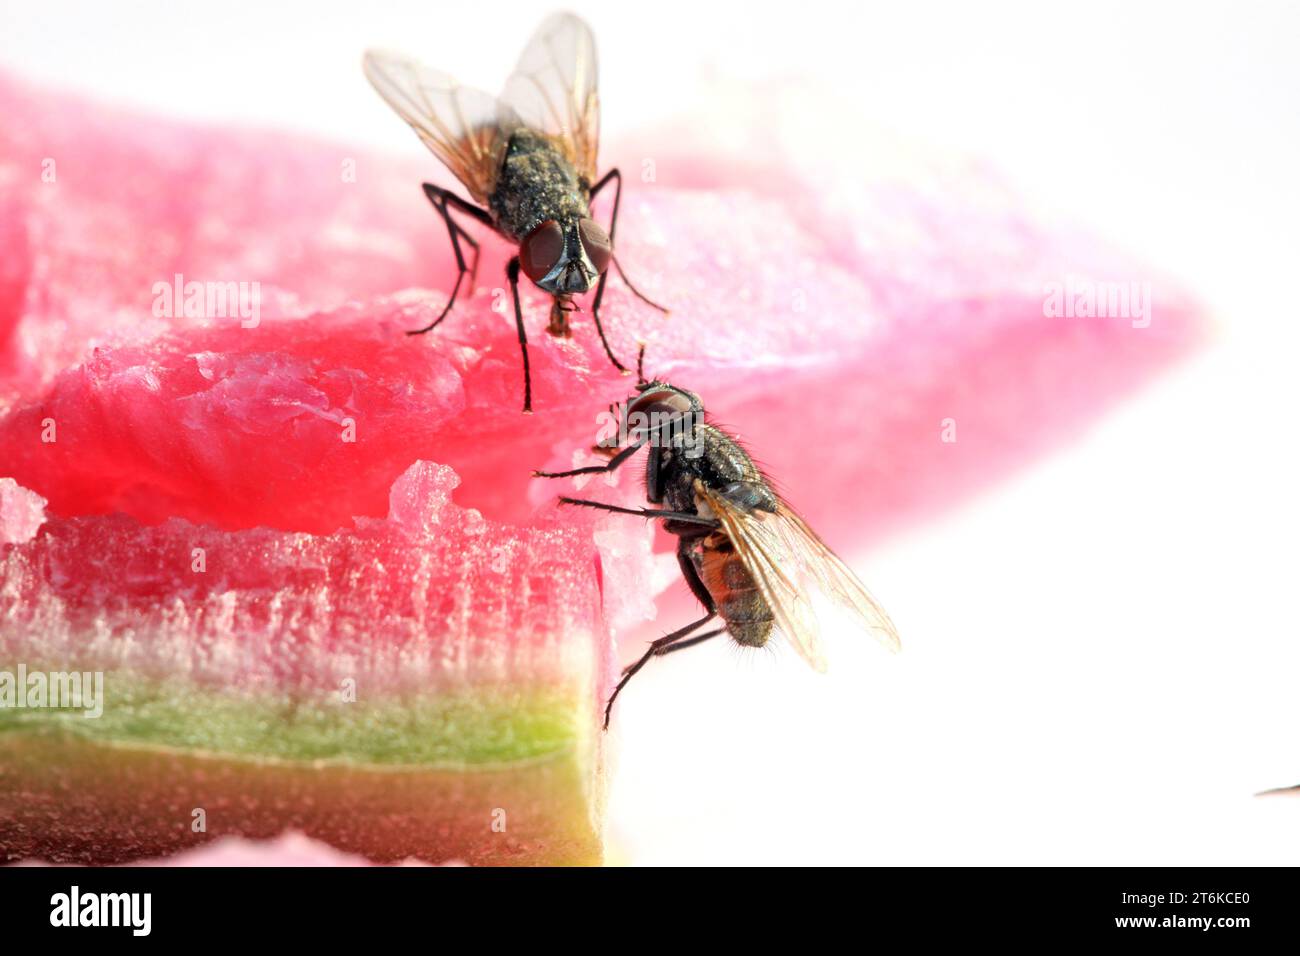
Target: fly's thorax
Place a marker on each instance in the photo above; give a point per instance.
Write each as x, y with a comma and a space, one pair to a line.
725, 469
537, 182
724, 458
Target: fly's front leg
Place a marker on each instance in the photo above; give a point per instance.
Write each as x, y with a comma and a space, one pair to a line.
512, 274
441, 199
635, 291
600, 329
612, 464
604, 276
617, 177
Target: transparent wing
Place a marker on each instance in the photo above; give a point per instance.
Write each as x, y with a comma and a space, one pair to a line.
789, 563
833, 577
553, 88
763, 550
465, 128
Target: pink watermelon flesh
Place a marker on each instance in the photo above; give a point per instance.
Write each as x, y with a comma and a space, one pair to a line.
362, 502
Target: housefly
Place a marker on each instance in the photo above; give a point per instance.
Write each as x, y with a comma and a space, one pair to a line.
746, 554
528, 160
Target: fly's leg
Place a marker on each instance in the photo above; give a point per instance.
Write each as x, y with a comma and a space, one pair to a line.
677, 639
683, 516
441, 199
689, 642
617, 177
635, 291
599, 289
690, 574
610, 465
662, 646
512, 274
600, 329
604, 276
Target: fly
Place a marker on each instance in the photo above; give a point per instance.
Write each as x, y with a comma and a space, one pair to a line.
746, 554
528, 160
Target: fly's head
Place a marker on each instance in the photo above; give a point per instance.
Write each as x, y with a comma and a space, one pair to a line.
566, 258
659, 410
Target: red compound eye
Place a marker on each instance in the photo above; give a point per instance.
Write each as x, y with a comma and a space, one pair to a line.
596, 243
541, 250
664, 401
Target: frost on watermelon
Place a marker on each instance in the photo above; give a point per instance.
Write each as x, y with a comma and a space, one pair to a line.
308, 556
22, 512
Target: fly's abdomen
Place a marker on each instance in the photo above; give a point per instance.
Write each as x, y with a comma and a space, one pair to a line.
740, 603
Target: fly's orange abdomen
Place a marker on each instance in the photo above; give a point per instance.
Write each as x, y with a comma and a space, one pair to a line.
740, 603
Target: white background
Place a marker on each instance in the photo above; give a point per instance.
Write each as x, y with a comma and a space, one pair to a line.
1101, 661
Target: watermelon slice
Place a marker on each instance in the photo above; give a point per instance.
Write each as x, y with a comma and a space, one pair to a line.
306, 553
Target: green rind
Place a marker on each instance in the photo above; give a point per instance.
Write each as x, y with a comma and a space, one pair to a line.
470, 726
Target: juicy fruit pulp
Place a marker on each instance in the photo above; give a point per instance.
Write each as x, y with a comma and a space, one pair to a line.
307, 553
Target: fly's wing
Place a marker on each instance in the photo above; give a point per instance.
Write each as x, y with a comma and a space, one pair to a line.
833, 577
465, 128
789, 562
553, 89
758, 540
